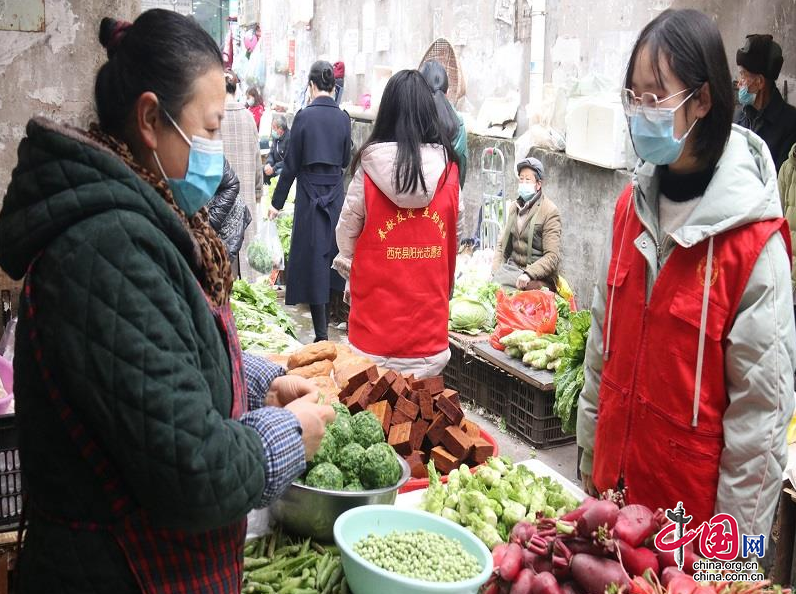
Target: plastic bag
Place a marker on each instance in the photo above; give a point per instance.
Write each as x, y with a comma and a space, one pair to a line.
526, 310
265, 253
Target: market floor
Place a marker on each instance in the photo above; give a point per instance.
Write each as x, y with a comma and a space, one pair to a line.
563, 459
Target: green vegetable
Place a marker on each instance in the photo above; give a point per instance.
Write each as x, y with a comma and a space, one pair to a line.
260, 257
354, 485
261, 322
380, 466
569, 377
327, 450
341, 409
284, 228
341, 431
325, 476
421, 555
349, 460
470, 316
367, 429
516, 338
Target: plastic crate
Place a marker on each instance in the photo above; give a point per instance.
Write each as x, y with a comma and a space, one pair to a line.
485, 385
530, 415
10, 475
453, 370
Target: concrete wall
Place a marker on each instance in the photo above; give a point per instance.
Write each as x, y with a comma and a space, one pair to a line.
52, 73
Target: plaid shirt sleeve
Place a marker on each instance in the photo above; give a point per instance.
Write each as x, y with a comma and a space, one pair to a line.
283, 450
259, 372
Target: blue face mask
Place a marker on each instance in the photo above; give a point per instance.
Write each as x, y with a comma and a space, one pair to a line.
526, 190
205, 169
653, 135
745, 97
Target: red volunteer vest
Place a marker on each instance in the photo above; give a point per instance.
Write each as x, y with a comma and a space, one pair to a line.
402, 273
644, 428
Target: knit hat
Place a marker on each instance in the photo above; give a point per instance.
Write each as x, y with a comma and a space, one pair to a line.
761, 55
534, 164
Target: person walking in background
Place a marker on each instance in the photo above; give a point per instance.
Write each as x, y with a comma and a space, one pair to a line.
528, 255
254, 101
320, 149
242, 150
280, 142
763, 110
229, 215
339, 81
690, 356
451, 122
399, 231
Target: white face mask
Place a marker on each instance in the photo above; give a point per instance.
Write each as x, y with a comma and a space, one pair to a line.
250, 102
527, 190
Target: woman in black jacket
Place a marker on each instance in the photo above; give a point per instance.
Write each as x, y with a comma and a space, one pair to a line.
229, 217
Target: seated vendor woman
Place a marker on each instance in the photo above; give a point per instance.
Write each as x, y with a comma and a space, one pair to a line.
528, 254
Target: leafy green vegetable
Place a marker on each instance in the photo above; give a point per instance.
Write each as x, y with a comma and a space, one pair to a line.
380, 467
284, 227
354, 485
349, 460
262, 323
325, 476
570, 376
470, 316
260, 257
367, 429
341, 431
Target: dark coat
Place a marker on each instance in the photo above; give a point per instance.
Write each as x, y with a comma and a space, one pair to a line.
279, 149
320, 149
775, 124
134, 349
229, 215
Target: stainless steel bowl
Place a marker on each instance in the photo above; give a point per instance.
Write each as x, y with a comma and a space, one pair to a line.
306, 511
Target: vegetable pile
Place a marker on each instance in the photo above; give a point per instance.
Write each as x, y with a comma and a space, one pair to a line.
421, 555
493, 500
472, 308
260, 257
261, 322
275, 563
603, 546
540, 351
353, 455
284, 227
569, 377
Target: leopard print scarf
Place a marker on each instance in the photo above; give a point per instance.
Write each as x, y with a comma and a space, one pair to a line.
214, 269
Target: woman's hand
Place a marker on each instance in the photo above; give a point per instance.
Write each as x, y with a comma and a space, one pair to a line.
273, 213
287, 388
587, 484
522, 282
313, 418
269, 170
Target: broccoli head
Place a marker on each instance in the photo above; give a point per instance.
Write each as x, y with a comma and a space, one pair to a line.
325, 476
341, 409
349, 460
380, 467
341, 431
354, 485
367, 429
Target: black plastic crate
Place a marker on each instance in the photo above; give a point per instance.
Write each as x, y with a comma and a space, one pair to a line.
530, 415
453, 370
10, 475
485, 385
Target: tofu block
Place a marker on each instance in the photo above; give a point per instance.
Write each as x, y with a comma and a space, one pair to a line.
456, 442
380, 386
360, 400
350, 378
482, 449
450, 410
444, 461
383, 412
453, 396
470, 428
437, 428
410, 409
435, 385
400, 438
417, 464
399, 417
426, 401
419, 429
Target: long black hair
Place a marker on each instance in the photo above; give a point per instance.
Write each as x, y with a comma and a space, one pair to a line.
691, 44
322, 74
437, 78
163, 52
407, 116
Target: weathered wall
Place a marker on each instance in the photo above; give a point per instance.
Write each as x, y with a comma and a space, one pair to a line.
52, 73
600, 40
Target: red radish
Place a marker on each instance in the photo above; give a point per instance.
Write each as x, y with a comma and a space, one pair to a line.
641, 586
576, 514
571, 588
668, 574
705, 590
584, 545
523, 583
492, 588
637, 561
545, 583
602, 513
522, 533
634, 525
511, 563
595, 574
528, 559
682, 584
542, 564
498, 553
666, 559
